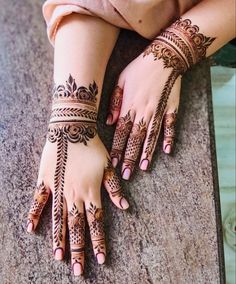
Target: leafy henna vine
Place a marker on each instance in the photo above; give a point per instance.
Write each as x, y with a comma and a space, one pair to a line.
40, 198
123, 128
134, 144
169, 129
95, 221
179, 46
76, 224
73, 120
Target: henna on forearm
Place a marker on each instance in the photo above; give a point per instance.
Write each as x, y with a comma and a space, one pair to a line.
73, 120
180, 46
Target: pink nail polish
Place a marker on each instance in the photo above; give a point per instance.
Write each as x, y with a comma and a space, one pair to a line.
100, 258
126, 174
144, 164
124, 203
77, 269
30, 227
58, 254
167, 149
114, 162
109, 118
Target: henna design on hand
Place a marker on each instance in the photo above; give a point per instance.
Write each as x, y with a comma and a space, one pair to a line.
179, 46
40, 198
169, 130
73, 119
95, 220
134, 144
116, 100
123, 128
76, 224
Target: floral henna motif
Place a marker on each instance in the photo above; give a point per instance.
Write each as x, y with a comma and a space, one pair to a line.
73, 120
179, 46
76, 224
113, 181
116, 99
169, 130
95, 221
40, 198
134, 144
123, 128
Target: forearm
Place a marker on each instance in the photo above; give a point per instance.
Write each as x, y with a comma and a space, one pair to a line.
83, 46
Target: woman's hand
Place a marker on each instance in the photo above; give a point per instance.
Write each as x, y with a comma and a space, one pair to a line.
73, 166
139, 108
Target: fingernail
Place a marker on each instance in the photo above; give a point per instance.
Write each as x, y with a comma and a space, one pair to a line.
167, 149
58, 254
77, 269
144, 164
109, 118
100, 258
114, 162
124, 203
30, 227
126, 174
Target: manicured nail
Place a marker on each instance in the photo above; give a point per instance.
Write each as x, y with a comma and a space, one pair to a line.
124, 203
144, 164
58, 254
109, 118
114, 162
167, 149
30, 227
126, 174
100, 258
77, 269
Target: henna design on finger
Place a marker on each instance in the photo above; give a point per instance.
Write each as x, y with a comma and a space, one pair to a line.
95, 221
123, 128
169, 130
73, 120
76, 224
179, 46
116, 99
40, 198
134, 144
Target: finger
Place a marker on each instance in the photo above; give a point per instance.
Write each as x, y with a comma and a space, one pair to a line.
41, 195
133, 148
115, 105
112, 184
95, 219
169, 121
59, 215
123, 128
76, 225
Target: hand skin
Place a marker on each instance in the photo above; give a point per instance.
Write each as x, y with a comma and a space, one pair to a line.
140, 93
83, 45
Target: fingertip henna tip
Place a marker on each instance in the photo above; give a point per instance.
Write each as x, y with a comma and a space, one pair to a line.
167, 149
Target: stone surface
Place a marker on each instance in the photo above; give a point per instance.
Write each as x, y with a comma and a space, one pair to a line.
171, 234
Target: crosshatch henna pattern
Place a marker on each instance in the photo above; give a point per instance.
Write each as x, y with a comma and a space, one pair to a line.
73, 120
169, 129
40, 198
179, 46
76, 224
134, 144
95, 221
123, 128
113, 181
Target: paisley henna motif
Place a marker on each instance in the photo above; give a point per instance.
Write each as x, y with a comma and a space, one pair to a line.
123, 128
179, 46
40, 198
76, 224
134, 144
95, 221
